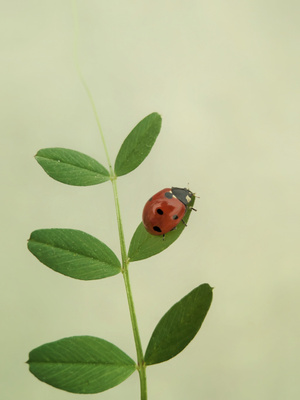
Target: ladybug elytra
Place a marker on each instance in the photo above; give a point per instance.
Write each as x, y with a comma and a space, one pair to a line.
163, 211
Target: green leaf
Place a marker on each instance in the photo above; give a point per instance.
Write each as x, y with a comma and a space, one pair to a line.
179, 325
138, 144
74, 253
71, 167
81, 364
144, 245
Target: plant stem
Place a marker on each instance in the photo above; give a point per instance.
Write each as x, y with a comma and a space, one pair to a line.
125, 262
85, 85
138, 345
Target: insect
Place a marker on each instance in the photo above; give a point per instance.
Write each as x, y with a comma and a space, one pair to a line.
163, 211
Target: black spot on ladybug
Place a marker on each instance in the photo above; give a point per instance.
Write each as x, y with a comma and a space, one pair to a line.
175, 216
159, 211
168, 195
156, 229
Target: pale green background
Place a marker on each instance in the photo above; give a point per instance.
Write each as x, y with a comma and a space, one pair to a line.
225, 77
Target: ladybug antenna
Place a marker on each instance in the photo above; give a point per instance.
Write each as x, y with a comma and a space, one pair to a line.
198, 197
194, 194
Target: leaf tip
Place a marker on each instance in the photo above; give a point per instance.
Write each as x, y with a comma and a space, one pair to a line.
158, 114
37, 154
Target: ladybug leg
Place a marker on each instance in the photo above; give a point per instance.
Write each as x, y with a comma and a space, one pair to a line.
184, 222
163, 236
192, 208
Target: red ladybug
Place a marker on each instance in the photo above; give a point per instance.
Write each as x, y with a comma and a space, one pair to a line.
163, 212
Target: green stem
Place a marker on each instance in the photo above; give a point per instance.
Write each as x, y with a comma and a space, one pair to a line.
85, 85
125, 261
138, 345
125, 264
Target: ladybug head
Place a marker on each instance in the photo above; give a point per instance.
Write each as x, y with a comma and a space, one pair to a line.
183, 195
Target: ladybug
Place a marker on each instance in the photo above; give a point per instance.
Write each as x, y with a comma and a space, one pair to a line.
163, 211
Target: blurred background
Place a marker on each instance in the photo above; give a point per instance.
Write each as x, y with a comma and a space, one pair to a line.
225, 78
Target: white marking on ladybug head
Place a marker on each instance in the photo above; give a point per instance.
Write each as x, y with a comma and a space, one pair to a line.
188, 198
